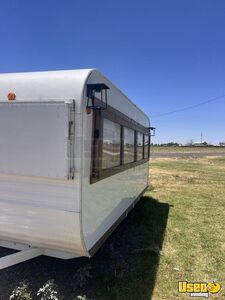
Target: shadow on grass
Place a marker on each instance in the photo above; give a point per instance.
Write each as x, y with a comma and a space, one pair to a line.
124, 268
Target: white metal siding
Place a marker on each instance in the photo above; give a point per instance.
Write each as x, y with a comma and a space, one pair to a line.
40, 226
105, 201
119, 101
34, 139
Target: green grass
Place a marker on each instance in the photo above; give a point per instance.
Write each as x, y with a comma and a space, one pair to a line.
195, 234
176, 232
126, 266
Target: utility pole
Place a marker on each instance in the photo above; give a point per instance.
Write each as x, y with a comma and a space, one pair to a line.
201, 137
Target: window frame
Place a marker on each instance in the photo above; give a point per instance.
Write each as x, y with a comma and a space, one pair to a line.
119, 143
138, 132
112, 114
149, 143
134, 146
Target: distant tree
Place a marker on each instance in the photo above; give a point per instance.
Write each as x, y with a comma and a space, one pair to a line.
172, 144
167, 144
189, 143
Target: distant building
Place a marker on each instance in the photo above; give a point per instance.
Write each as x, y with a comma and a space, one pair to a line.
200, 144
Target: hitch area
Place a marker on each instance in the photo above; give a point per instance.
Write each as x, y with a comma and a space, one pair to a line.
18, 257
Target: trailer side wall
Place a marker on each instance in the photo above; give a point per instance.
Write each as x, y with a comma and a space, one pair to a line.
105, 201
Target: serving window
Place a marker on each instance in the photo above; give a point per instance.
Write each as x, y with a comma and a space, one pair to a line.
118, 143
37, 139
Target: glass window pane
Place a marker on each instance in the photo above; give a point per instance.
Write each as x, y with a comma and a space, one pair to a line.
146, 145
139, 146
111, 144
128, 145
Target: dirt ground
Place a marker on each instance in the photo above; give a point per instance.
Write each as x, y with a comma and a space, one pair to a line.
186, 152
185, 155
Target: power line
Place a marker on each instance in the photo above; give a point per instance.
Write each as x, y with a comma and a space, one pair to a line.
188, 107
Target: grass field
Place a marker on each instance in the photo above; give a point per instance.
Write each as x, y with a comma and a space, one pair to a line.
176, 232
194, 244
187, 149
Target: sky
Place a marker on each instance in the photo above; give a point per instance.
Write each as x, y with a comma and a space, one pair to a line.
164, 55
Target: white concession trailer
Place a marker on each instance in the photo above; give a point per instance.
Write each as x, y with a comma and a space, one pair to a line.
74, 159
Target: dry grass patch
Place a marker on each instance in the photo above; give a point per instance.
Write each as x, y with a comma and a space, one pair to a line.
176, 149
